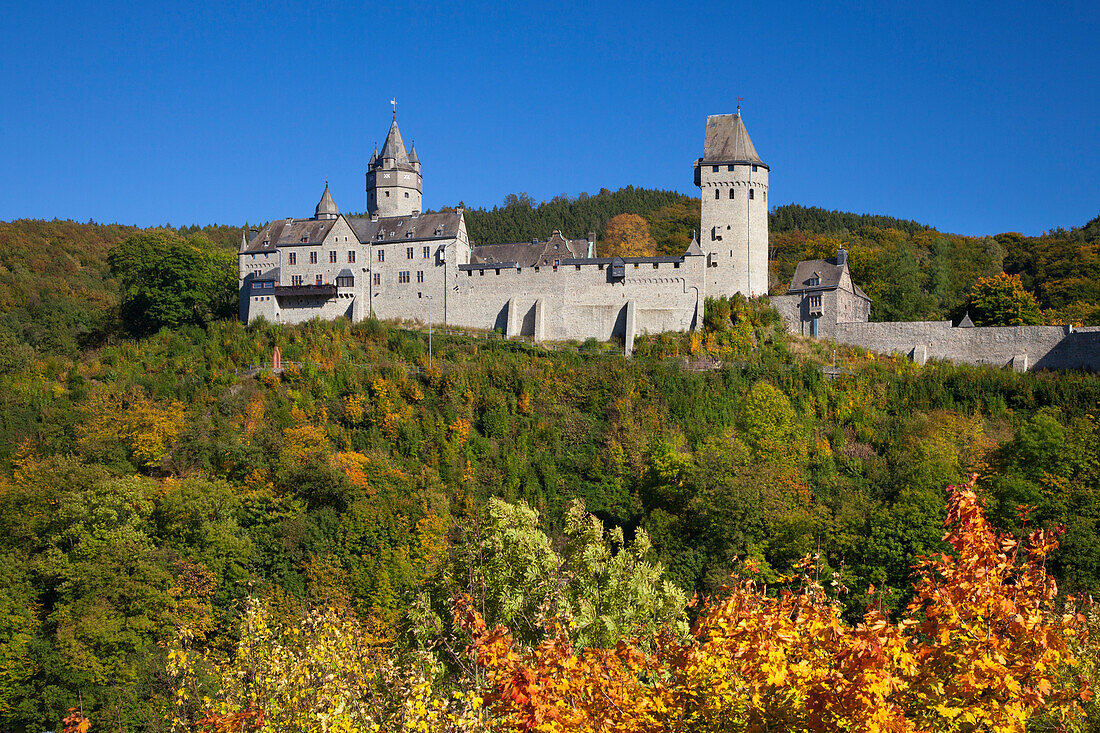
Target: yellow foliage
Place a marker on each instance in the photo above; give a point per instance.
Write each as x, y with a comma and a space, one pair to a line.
147, 428
305, 442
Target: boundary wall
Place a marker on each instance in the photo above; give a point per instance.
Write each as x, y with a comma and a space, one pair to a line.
1020, 347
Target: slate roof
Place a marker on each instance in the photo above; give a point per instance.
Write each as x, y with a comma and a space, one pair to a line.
326, 205
285, 232
529, 254
443, 225
694, 249
828, 273
272, 274
727, 141
394, 146
966, 322
412, 154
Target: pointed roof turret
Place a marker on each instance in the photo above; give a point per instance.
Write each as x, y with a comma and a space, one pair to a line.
727, 141
412, 153
694, 250
326, 207
374, 156
394, 147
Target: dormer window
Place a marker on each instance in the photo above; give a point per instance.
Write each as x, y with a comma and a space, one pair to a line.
814, 281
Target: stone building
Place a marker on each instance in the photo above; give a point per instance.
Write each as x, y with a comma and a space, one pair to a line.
398, 262
733, 229
821, 296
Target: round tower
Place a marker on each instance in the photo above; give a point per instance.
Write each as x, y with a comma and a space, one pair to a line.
326, 207
394, 184
734, 221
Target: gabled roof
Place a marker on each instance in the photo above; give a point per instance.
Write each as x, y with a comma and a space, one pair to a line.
727, 141
828, 274
285, 232
444, 225
529, 254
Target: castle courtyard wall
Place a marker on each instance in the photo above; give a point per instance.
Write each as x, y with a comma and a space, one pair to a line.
578, 301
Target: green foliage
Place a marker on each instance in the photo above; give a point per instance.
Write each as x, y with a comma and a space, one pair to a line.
1002, 301
166, 281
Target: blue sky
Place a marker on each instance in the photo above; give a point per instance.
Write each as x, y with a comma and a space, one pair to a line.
974, 117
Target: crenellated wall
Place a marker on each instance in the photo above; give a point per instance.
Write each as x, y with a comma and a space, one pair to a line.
579, 301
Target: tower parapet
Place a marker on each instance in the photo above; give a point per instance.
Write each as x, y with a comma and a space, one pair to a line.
394, 184
734, 220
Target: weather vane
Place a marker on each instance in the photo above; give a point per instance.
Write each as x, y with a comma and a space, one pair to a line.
739, 101
394, 103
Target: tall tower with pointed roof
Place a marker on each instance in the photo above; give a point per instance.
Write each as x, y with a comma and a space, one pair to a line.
394, 184
734, 221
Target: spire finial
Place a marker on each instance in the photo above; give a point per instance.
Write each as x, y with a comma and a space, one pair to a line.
394, 103
739, 101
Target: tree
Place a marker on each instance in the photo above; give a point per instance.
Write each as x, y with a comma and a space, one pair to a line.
165, 281
1002, 301
627, 235
981, 647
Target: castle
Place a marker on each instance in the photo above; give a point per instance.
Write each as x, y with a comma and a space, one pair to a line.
398, 262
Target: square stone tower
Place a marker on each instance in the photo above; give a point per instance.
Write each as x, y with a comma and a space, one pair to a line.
734, 223
394, 183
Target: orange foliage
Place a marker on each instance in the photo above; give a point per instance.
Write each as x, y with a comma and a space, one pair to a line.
980, 647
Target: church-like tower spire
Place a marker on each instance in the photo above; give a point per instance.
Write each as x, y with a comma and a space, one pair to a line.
394, 183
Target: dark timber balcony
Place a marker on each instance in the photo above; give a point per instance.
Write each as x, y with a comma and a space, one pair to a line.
328, 291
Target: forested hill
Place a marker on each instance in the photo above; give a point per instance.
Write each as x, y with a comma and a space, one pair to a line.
520, 219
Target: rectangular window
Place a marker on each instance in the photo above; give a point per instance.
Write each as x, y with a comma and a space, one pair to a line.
332, 256
427, 252
731, 193
717, 194
403, 276
420, 276
754, 169
751, 191
714, 169
377, 278
295, 279
345, 282
408, 253
313, 258
319, 281
351, 255
381, 255
294, 258
729, 168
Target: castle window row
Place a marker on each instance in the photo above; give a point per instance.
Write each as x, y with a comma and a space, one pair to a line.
729, 168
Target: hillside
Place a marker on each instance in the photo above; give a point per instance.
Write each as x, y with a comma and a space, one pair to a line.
149, 480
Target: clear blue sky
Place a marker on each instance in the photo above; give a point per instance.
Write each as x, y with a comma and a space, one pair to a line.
974, 117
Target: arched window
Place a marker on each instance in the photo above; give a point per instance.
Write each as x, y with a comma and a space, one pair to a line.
751, 191
717, 194
731, 193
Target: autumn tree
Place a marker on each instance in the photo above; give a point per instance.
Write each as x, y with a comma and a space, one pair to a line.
981, 647
1002, 301
627, 235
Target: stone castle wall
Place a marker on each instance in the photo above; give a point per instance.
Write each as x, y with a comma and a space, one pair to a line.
578, 301
1021, 347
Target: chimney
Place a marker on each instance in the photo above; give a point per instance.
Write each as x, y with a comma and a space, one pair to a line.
842, 256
